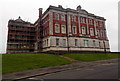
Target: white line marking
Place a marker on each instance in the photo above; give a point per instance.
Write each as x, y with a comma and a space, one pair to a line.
31, 78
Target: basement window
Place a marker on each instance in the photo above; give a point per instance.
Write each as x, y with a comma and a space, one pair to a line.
57, 41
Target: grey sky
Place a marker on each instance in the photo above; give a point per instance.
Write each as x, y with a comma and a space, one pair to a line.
28, 10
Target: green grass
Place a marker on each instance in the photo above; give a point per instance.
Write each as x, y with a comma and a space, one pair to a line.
0, 63
21, 62
92, 56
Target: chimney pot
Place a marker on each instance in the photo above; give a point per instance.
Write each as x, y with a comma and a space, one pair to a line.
78, 8
40, 12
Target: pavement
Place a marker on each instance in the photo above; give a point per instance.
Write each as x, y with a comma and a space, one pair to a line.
43, 71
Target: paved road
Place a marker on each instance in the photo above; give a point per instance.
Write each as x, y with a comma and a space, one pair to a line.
103, 71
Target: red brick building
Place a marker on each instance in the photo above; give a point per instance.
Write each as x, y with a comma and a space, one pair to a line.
74, 30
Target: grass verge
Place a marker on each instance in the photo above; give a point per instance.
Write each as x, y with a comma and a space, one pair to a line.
21, 62
92, 56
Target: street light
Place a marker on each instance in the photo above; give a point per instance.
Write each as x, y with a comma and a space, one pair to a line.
69, 34
104, 46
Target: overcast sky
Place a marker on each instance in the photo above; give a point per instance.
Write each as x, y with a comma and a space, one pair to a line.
28, 10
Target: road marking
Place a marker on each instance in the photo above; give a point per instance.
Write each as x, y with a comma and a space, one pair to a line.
36, 79
31, 78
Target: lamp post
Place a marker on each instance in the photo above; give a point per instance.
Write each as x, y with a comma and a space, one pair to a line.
67, 32
69, 41
104, 47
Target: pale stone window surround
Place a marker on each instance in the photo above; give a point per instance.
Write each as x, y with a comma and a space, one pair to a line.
86, 43
96, 23
90, 21
50, 41
83, 30
73, 18
44, 43
57, 28
56, 16
64, 42
98, 33
91, 32
63, 29
82, 20
76, 42
74, 29
62, 17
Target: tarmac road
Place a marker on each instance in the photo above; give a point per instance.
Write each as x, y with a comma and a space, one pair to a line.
103, 71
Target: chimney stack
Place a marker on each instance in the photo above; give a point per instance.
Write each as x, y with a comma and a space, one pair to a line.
78, 8
60, 6
40, 12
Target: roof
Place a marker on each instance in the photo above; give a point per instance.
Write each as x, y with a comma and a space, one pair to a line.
81, 11
19, 20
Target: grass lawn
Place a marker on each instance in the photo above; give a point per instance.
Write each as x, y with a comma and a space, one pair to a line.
0, 63
20, 62
92, 56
